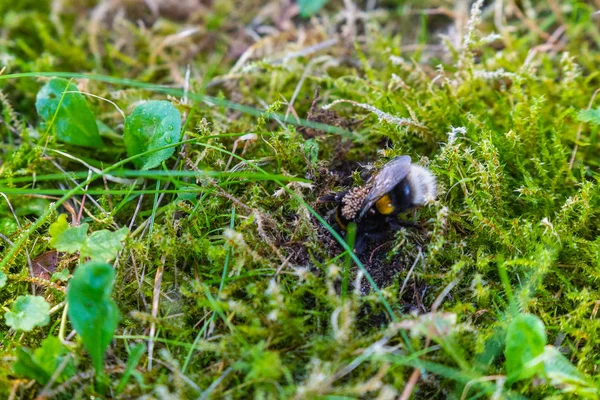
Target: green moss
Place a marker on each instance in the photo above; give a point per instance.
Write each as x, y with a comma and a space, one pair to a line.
515, 228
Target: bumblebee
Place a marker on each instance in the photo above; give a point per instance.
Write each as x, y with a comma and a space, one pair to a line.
399, 186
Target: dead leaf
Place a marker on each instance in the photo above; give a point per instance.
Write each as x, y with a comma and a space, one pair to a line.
45, 264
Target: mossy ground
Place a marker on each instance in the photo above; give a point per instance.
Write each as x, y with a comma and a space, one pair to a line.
515, 227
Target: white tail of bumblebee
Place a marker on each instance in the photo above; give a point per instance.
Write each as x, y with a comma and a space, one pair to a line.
422, 184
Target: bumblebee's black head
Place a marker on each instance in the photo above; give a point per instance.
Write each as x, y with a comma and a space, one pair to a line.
396, 200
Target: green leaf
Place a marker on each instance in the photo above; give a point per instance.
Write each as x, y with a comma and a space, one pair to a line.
134, 357
150, 126
104, 245
8, 226
525, 340
592, 116
565, 375
58, 227
27, 312
310, 7
62, 276
187, 196
3, 279
67, 238
311, 150
35, 206
28, 367
43, 363
72, 120
92, 312
51, 355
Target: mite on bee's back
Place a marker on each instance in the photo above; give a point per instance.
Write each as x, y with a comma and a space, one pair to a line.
374, 207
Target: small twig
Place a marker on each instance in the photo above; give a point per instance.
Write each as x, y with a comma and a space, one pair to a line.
82, 204
247, 138
438, 301
87, 375
282, 266
557, 34
181, 375
213, 385
96, 170
532, 25
158, 201
412, 381
556, 10
15, 386
57, 165
63, 323
12, 210
301, 53
419, 256
71, 209
71, 335
383, 116
155, 303
170, 40
377, 347
100, 98
307, 71
435, 11
137, 208
228, 196
375, 250
7, 239
499, 15
550, 45
461, 17
139, 279
186, 85
307, 51
57, 307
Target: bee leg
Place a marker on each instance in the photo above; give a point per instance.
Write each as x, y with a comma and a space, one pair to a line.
368, 237
360, 243
328, 198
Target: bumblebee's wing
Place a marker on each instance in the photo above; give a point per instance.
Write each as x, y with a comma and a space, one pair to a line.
390, 175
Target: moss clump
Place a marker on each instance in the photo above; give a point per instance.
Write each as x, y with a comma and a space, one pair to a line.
230, 273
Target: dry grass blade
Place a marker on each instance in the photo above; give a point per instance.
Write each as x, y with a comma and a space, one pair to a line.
155, 304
